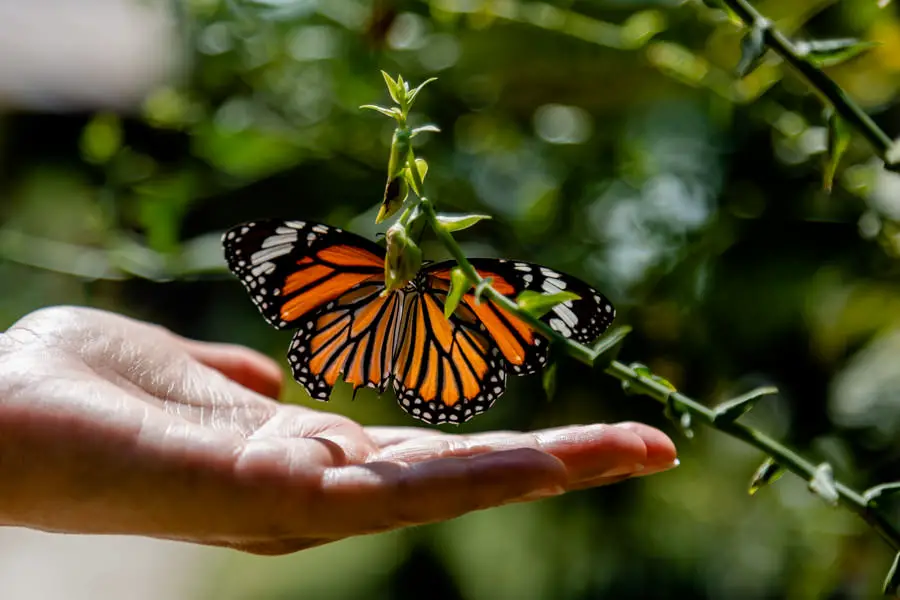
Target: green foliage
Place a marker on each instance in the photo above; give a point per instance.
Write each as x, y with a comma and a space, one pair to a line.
830, 53
459, 222
838, 141
768, 473
459, 285
538, 304
753, 48
732, 410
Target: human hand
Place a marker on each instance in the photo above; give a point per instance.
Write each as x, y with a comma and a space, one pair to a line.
110, 425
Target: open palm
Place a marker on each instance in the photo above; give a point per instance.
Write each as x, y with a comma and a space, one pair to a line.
110, 425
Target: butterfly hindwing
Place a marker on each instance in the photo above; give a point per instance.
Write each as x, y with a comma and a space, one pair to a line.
293, 268
526, 351
446, 370
353, 337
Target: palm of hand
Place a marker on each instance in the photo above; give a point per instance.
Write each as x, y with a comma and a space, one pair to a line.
116, 426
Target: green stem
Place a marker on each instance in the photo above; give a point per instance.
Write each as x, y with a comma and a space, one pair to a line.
785, 457
822, 83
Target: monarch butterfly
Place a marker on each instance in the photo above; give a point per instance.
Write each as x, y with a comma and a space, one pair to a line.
328, 284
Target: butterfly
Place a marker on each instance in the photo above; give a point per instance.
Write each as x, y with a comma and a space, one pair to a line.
329, 286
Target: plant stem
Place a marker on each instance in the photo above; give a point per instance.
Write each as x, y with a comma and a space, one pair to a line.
816, 77
785, 457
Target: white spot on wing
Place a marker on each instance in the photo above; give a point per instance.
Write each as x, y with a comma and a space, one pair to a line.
269, 253
566, 314
263, 269
561, 327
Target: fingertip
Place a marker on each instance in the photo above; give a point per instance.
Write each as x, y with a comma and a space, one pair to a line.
594, 450
661, 449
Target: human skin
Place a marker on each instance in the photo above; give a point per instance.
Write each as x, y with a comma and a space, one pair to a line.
110, 425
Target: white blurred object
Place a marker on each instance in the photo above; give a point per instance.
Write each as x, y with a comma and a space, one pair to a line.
60, 55
866, 393
45, 566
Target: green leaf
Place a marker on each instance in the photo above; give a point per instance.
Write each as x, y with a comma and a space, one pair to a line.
828, 53
395, 88
838, 141
412, 94
767, 473
822, 484
549, 381
538, 305
891, 585
425, 129
753, 47
396, 191
393, 112
730, 411
608, 346
885, 489
459, 285
422, 167
459, 222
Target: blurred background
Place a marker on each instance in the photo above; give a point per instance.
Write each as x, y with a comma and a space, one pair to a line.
609, 138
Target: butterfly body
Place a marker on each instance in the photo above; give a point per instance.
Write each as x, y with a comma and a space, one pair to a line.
329, 286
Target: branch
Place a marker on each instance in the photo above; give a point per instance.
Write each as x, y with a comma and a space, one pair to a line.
655, 389
880, 141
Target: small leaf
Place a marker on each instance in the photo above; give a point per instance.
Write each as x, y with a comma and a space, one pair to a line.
828, 53
822, 484
425, 129
549, 381
767, 473
838, 140
422, 168
730, 411
479, 289
459, 222
753, 47
411, 96
891, 585
395, 88
395, 193
459, 285
394, 112
607, 347
678, 415
538, 305
885, 489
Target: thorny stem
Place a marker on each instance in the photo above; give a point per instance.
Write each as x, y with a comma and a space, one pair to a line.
822, 83
785, 457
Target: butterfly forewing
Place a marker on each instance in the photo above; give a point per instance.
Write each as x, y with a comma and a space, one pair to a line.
292, 268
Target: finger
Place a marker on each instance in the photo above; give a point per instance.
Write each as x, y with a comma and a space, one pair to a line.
661, 451
385, 495
247, 367
586, 451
